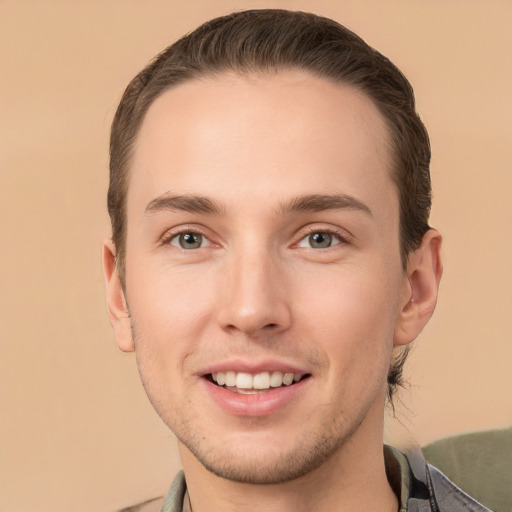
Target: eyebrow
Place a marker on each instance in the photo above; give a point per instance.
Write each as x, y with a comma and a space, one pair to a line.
319, 203
184, 203
301, 204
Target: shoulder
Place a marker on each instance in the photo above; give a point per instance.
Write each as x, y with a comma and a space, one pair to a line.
423, 488
447, 497
479, 462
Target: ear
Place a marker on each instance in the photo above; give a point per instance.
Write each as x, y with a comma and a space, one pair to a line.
118, 312
419, 296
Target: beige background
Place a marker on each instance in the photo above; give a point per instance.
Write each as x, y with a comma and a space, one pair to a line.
76, 430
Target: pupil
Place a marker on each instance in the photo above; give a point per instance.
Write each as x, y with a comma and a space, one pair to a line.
320, 240
190, 241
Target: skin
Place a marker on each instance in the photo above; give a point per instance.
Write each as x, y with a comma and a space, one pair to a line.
258, 291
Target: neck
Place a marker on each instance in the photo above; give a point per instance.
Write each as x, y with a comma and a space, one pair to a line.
352, 479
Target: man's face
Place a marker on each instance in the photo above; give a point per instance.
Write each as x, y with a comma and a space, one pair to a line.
263, 245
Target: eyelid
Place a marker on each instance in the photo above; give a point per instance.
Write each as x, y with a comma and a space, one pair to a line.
168, 235
175, 241
342, 234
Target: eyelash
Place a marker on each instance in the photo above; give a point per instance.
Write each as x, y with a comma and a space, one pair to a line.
343, 238
168, 237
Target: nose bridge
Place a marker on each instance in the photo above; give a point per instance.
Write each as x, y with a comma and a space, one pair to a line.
254, 298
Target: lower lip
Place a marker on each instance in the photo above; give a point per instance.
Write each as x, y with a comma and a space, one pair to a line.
253, 405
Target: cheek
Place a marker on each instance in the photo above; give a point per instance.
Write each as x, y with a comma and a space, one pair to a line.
351, 315
169, 311
172, 297
168, 314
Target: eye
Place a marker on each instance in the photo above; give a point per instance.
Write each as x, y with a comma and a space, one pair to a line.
189, 240
319, 240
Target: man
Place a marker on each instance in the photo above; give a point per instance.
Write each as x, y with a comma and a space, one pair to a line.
271, 260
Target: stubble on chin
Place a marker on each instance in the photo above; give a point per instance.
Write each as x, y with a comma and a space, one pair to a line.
270, 465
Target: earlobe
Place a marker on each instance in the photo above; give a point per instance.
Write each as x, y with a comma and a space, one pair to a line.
424, 270
118, 312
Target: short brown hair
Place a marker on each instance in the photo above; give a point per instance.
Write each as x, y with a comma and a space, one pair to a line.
272, 40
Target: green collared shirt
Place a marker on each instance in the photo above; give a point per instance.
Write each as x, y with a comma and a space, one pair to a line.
480, 463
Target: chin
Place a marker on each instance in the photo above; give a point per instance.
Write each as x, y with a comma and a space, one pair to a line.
264, 462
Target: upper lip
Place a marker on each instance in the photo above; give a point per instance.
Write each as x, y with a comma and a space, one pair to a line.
253, 367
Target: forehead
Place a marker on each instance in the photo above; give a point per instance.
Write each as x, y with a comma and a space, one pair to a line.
241, 136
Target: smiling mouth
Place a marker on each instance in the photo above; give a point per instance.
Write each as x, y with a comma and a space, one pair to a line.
247, 383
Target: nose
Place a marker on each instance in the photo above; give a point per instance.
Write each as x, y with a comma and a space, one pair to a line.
254, 298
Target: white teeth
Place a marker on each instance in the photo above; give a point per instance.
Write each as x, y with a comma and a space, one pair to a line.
288, 379
230, 379
276, 379
244, 380
263, 380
